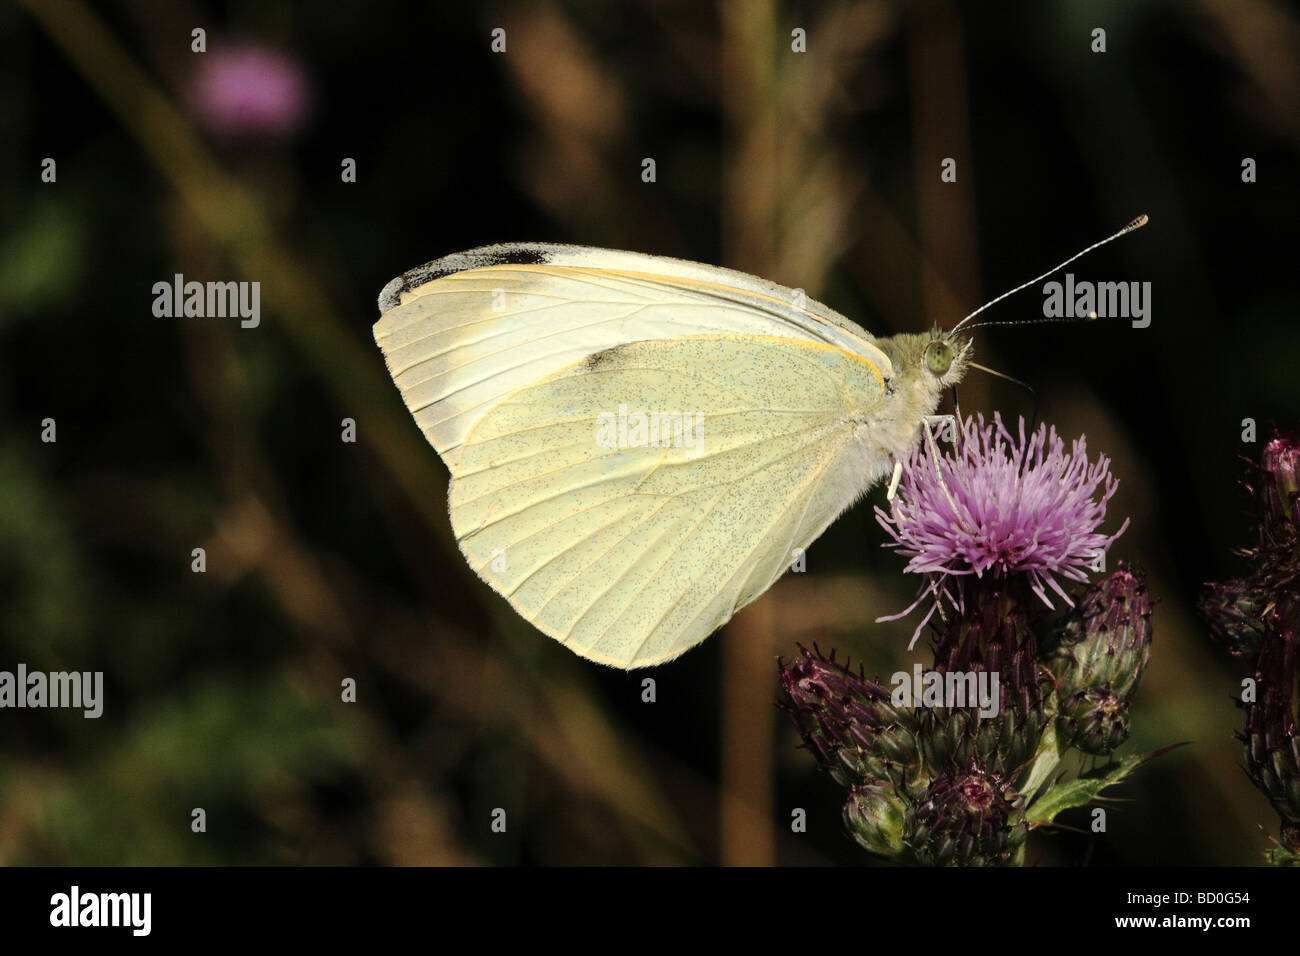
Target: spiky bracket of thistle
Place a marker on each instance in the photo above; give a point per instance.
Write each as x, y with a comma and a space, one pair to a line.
995, 526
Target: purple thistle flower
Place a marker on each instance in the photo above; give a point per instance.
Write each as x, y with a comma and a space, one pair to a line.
250, 91
999, 506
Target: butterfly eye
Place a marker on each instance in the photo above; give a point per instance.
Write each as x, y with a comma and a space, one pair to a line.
938, 357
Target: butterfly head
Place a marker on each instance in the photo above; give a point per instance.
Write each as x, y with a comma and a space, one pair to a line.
942, 361
925, 364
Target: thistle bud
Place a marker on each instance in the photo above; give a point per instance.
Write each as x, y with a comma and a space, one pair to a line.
847, 721
1234, 611
1273, 762
968, 818
877, 816
1095, 721
1105, 642
1272, 722
1279, 488
1004, 742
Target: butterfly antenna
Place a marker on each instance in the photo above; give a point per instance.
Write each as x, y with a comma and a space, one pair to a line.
1137, 223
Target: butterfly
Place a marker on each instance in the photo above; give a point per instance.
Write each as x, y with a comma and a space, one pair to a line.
640, 446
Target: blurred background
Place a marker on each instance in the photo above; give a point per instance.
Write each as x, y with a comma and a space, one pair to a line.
328, 560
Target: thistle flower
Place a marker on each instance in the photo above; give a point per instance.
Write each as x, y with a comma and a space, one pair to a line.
248, 91
994, 526
1001, 505
1258, 617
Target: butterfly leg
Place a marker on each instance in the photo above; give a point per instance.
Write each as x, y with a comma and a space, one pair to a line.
893, 482
938, 474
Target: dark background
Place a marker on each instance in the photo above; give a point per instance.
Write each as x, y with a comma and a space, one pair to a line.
328, 560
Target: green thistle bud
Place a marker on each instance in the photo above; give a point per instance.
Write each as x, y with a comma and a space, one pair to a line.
1004, 743
877, 818
968, 818
1095, 721
1105, 641
848, 721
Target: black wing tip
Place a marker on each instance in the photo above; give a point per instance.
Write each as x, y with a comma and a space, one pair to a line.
512, 254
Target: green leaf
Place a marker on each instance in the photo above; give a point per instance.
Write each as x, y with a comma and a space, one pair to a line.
1045, 762
1084, 788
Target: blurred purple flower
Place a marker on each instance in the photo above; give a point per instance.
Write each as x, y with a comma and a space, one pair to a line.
1001, 505
250, 91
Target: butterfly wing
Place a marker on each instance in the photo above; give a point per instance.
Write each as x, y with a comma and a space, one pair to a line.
461, 333
631, 541
510, 357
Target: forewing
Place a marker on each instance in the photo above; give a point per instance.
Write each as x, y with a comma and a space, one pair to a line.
462, 333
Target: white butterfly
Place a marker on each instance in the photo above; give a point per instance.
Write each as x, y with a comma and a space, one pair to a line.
640, 446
